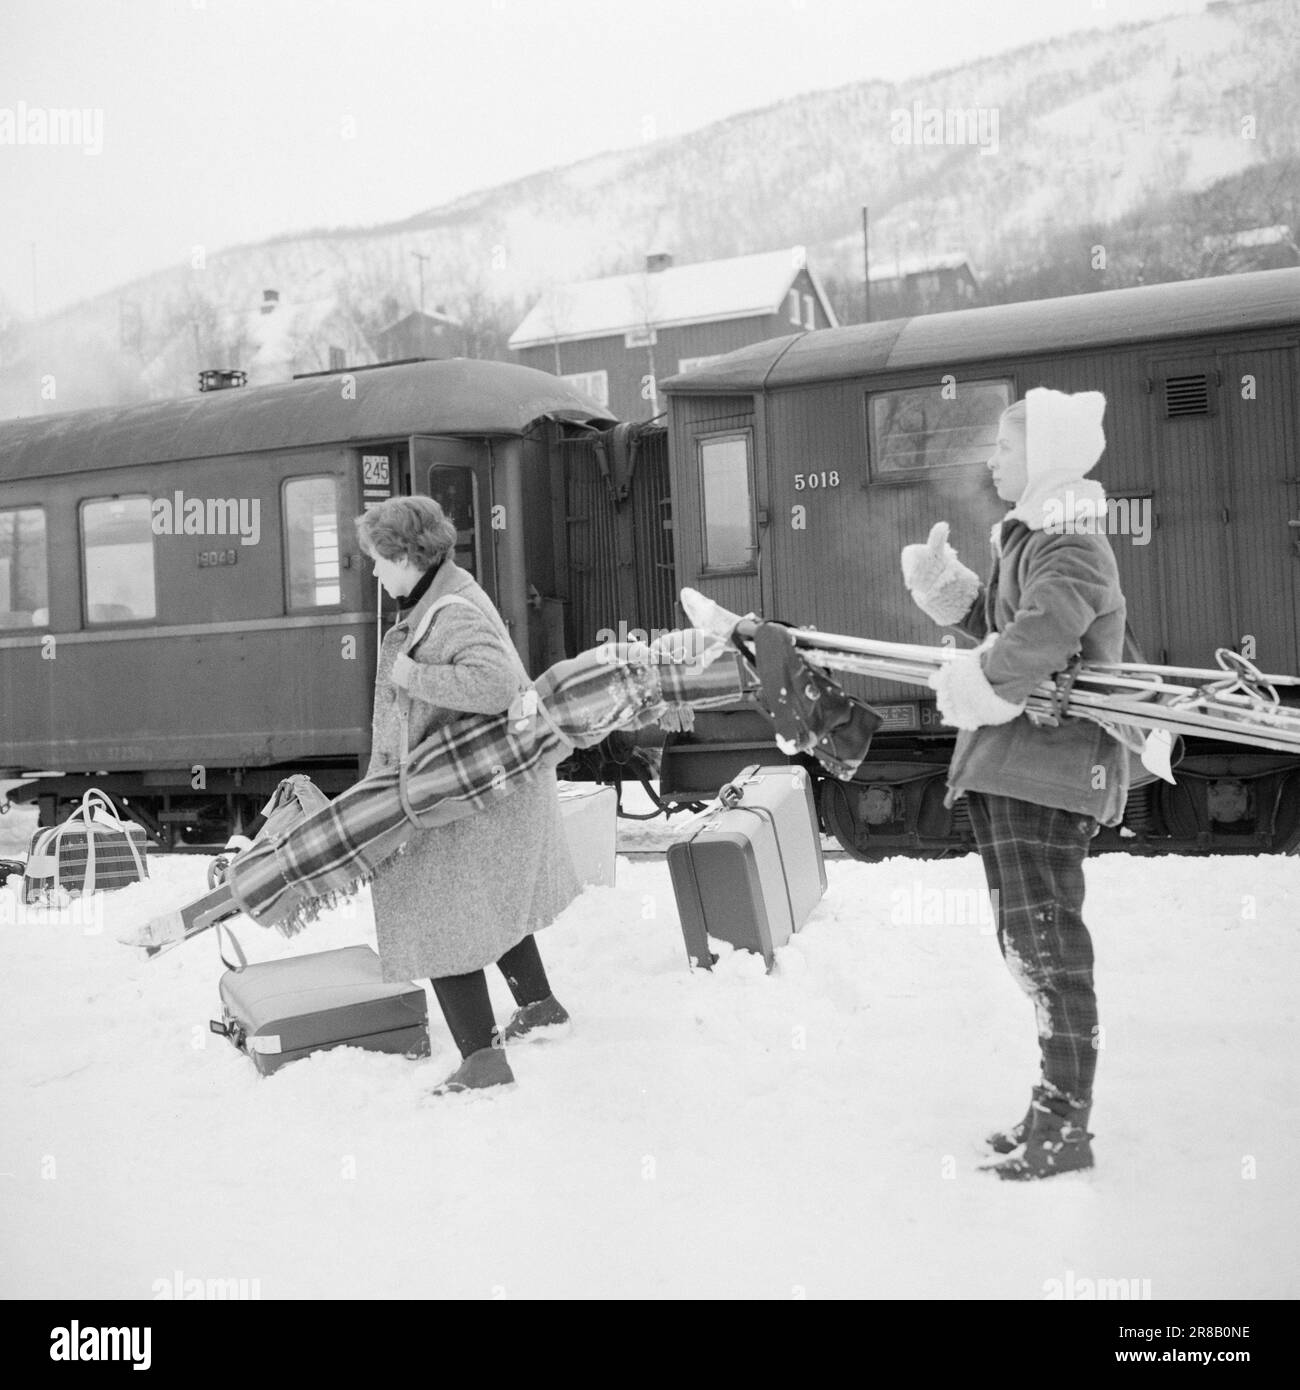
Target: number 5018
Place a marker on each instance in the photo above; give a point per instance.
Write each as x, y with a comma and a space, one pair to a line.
805, 480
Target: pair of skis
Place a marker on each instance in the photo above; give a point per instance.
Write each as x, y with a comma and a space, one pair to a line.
1235, 702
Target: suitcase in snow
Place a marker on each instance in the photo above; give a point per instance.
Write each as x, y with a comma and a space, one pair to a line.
588, 813
280, 1010
753, 872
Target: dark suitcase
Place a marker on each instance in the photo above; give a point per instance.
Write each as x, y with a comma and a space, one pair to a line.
280, 1010
753, 872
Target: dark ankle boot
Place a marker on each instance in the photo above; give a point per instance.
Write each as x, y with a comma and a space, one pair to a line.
1058, 1140
480, 1070
547, 1018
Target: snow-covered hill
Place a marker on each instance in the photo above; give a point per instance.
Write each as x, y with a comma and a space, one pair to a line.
1075, 131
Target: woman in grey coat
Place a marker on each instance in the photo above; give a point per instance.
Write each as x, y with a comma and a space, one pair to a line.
461, 896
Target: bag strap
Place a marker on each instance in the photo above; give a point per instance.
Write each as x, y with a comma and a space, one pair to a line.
236, 949
404, 700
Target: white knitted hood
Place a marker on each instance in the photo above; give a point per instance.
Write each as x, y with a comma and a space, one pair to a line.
1063, 441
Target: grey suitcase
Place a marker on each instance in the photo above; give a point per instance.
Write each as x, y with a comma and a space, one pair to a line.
753, 873
280, 1010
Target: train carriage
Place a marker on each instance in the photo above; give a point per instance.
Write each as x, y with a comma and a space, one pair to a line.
802, 464
184, 613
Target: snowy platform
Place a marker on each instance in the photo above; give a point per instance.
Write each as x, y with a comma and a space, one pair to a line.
812, 1132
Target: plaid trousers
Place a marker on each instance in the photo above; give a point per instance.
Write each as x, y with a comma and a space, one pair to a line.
1033, 859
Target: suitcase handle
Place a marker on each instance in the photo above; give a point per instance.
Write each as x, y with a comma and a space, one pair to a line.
731, 795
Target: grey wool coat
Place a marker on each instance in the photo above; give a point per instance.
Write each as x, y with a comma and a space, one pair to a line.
461, 895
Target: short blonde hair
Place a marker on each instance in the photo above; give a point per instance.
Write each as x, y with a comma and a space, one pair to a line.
407, 528
1017, 414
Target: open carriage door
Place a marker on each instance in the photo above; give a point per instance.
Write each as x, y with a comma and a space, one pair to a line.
477, 484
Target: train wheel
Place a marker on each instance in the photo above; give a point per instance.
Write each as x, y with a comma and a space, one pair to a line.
837, 812
854, 836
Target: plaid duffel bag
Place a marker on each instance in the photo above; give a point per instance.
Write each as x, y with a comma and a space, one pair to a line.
93, 851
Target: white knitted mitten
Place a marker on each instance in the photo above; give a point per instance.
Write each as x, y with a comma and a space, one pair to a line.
965, 698
942, 587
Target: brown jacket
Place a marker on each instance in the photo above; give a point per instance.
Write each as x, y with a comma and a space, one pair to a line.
458, 897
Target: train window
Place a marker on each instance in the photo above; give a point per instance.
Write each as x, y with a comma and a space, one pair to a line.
919, 428
311, 542
117, 547
452, 489
727, 502
24, 576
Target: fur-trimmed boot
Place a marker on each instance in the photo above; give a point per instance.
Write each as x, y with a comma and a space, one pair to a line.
480, 1070
1058, 1140
538, 1022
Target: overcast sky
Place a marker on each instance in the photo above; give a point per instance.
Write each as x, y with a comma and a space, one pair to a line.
225, 120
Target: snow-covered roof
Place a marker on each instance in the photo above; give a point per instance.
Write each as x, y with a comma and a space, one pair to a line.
899, 268
742, 287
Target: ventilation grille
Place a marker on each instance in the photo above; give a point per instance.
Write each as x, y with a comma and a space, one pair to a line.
1187, 395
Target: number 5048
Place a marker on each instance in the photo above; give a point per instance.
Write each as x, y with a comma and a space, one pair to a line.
805, 480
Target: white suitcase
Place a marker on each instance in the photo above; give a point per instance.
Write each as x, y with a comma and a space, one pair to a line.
589, 813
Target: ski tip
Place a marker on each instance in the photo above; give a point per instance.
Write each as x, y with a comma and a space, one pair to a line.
158, 932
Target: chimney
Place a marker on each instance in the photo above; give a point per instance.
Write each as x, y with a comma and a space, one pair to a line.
270, 299
658, 260
221, 379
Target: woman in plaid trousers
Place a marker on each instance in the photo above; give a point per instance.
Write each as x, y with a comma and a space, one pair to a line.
1036, 793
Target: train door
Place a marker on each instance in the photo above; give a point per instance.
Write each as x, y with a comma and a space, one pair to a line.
1259, 404
1189, 454
457, 474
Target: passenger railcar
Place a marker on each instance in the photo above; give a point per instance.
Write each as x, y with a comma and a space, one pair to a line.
802, 464
184, 613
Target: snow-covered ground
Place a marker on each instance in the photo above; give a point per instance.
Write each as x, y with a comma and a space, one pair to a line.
810, 1132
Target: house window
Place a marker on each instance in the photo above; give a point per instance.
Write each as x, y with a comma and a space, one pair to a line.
24, 581
311, 542
808, 319
919, 428
689, 364
793, 300
593, 384
117, 554
727, 502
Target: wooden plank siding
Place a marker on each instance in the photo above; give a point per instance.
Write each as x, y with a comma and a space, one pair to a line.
1192, 580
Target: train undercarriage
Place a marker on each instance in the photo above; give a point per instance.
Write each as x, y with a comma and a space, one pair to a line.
1226, 800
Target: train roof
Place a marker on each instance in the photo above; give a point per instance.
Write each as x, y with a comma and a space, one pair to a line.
460, 396
1183, 309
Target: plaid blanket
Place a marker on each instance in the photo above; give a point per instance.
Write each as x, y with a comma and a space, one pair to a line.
464, 767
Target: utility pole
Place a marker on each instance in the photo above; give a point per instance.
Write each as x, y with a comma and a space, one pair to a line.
421, 256
32, 244
866, 270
